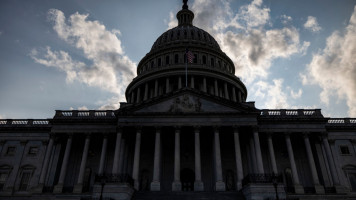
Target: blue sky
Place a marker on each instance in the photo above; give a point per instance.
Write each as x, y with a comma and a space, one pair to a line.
76, 54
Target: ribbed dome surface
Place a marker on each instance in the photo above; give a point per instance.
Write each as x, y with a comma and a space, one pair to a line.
185, 34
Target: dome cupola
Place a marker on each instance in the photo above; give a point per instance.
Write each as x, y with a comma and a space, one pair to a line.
185, 16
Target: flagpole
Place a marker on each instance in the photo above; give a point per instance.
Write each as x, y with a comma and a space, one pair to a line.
186, 68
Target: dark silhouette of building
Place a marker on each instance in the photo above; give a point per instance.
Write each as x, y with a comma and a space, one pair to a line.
180, 136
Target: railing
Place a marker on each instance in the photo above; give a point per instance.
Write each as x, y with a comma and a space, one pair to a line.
34, 122
292, 113
114, 178
85, 113
262, 178
341, 121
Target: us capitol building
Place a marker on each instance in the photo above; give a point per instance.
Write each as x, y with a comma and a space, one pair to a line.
180, 136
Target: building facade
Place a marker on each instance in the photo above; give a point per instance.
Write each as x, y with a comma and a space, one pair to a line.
180, 136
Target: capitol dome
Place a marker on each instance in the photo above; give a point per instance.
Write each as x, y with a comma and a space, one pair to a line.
165, 69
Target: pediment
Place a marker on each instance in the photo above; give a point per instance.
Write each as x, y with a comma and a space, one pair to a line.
189, 102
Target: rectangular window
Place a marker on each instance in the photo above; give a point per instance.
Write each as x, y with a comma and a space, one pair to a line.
11, 151
3, 178
344, 150
33, 151
25, 180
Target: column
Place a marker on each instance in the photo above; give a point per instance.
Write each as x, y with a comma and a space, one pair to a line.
122, 157
41, 181
136, 162
239, 168
216, 87
179, 82
132, 100
138, 95
258, 152
335, 178
297, 187
78, 188
177, 185
115, 167
156, 88
253, 156
233, 94
318, 188
219, 185
167, 85
198, 183
226, 91
239, 96
204, 85
103, 154
146, 92
271, 153
58, 188
155, 185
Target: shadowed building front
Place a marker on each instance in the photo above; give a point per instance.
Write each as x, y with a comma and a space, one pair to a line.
185, 132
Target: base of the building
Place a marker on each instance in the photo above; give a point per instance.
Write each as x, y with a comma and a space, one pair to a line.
58, 189
176, 186
261, 191
114, 191
78, 188
220, 186
319, 189
155, 186
198, 186
298, 189
38, 189
340, 189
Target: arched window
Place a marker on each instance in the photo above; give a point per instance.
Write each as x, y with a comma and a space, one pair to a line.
195, 61
176, 58
159, 62
212, 62
167, 60
152, 64
204, 60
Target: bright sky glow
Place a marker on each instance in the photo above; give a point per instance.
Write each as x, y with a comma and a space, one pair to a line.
76, 54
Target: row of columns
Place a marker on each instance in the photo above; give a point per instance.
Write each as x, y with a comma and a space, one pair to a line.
198, 184
236, 96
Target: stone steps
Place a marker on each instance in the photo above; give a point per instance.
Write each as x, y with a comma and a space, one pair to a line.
188, 196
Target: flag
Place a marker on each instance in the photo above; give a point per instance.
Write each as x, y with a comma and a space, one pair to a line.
190, 56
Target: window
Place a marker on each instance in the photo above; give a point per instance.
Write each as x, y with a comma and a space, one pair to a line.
3, 178
204, 60
167, 60
176, 58
152, 64
25, 180
33, 151
159, 62
352, 179
344, 150
11, 151
195, 61
212, 62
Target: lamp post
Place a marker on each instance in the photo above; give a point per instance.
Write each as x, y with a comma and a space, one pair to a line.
275, 184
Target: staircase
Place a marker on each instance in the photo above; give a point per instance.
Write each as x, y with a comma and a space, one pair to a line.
188, 196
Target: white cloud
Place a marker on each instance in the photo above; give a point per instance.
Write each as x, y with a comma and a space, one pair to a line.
83, 108
272, 95
2, 117
110, 70
296, 95
312, 24
286, 19
172, 21
334, 67
247, 37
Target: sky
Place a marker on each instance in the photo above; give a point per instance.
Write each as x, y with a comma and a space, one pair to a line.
81, 54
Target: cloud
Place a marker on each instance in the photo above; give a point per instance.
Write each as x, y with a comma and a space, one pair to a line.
296, 95
246, 36
312, 24
2, 117
110, 70
334, 67
286, 19
272, 95
172, 22
83, 108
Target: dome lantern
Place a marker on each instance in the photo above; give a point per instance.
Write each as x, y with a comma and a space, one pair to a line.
185, 16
